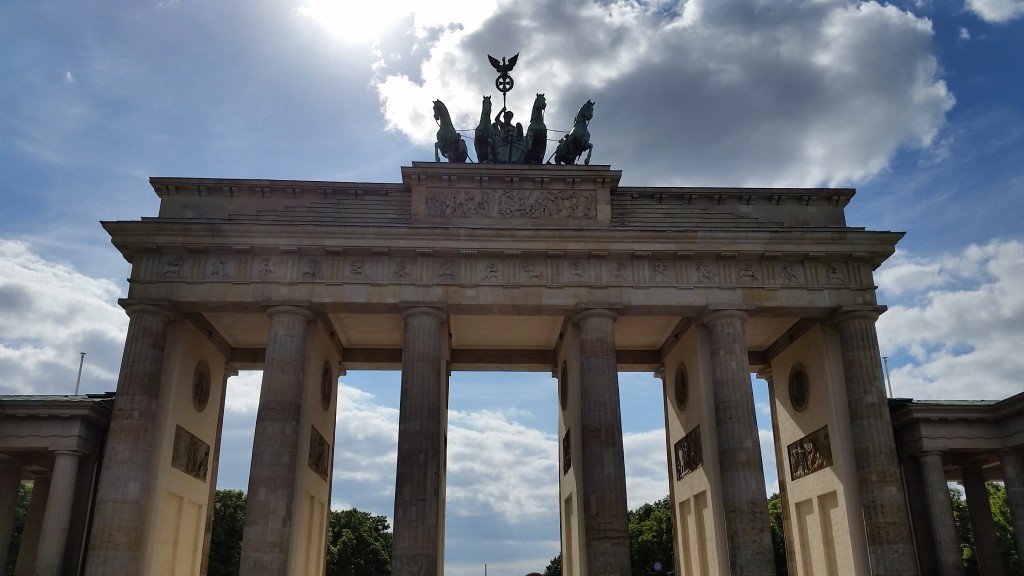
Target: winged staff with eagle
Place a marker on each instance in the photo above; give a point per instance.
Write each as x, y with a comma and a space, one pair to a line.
502, 142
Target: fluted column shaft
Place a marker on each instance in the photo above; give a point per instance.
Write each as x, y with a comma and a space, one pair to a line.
26, 565
54, 532
603, 470
739, 448
10, 483
940, 513
418, 492
214, 467
268, 512
118, 532
990, 562
884, 508
1013, 479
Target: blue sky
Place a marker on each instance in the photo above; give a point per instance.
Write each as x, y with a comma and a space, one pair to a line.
919, 105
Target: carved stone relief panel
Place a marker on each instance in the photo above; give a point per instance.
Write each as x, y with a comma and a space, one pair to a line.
566, 452
445, 271
689, 454
190, 454
267, 268
484, 203
749, 273
706, 272
220, 267
172, 267
201, 386
619, 272
489, 271
312, 269
835, 274
356, 268
512, 268
810, 454
402, 270
576, 271
662, 272
319, 454
790, 274
532, 271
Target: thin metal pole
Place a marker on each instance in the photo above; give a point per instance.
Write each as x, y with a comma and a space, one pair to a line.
885, 361
81, 362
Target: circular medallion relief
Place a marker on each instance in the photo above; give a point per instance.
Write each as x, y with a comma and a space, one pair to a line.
681, 388
799, 389
327, 385
201, 386
563, 386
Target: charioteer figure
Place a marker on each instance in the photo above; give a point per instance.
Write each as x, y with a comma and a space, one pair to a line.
508, 138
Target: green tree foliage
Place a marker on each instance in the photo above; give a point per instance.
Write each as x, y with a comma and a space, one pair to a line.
24, 495
554, 567
226, 537
1004, 530
650, 538
778, 534
358, 544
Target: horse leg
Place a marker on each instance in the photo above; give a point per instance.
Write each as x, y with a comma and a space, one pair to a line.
437, 148
590, 150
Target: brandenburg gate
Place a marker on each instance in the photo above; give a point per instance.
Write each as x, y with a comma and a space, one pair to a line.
505, 267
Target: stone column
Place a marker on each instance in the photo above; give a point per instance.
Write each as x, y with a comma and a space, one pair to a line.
884, 507
10, 482
54, 532
986, 545
1013, 478
739, 448
780, 469
940, 513
268, 512
204, 564
26, 565
418, 534
118, 534
603, 472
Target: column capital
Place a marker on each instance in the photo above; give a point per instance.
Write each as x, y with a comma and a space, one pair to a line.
595, 312
422, 310
67, 452
715, 315
848, 314
289, 309
135, 308
767, 375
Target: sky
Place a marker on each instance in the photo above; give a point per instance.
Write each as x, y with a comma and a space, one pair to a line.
919, 105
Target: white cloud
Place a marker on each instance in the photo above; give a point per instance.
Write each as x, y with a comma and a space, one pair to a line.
957, 320
49, 313
772, 93
964, 34
646, 467
997, 11
496, 465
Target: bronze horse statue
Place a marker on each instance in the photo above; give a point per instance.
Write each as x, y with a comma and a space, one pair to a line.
572, 145
483, 139
537, 133
449, 143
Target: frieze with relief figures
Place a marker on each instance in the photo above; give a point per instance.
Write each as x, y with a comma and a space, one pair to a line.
552, 204
511, 267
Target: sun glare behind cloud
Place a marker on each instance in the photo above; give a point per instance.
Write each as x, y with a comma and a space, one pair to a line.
366, 23
358, 22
